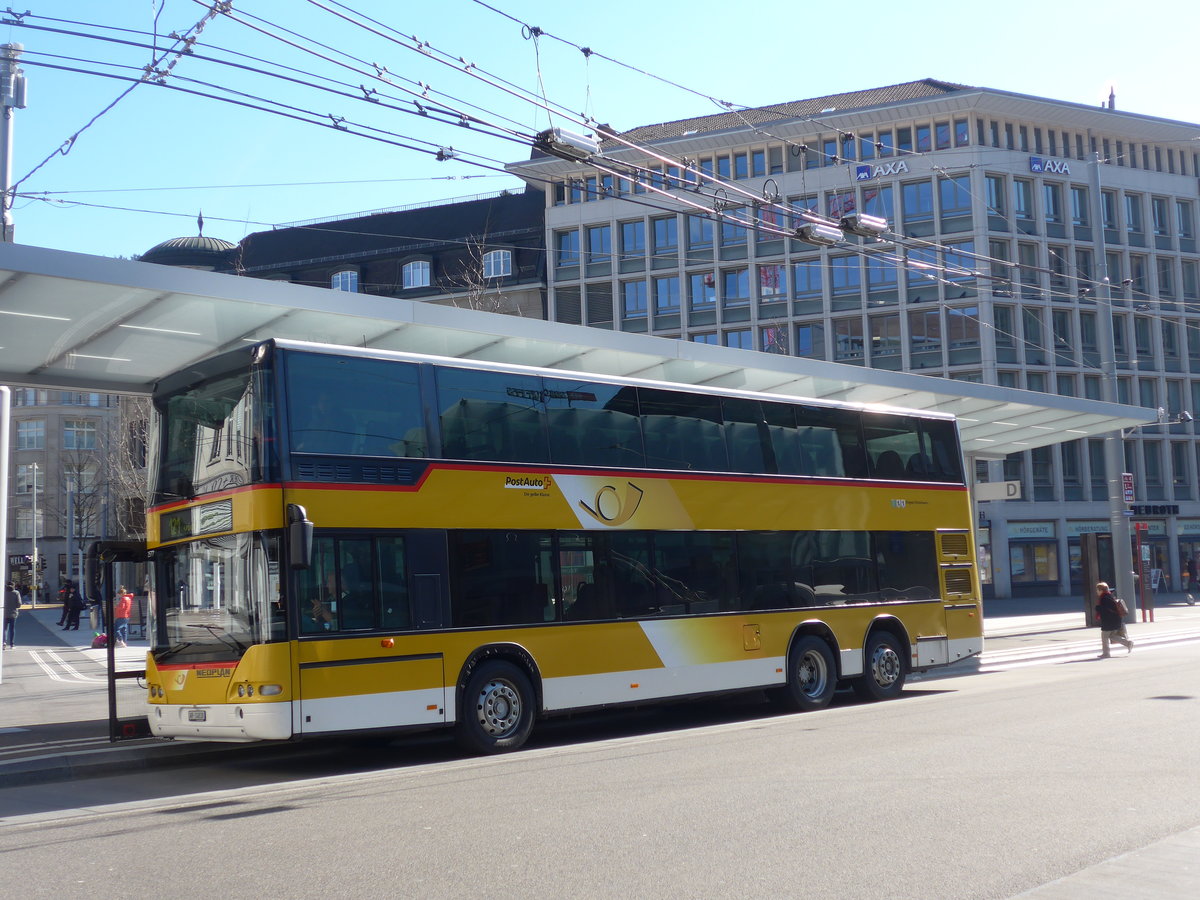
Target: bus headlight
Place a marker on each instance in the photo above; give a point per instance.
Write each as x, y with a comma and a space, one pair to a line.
270, 690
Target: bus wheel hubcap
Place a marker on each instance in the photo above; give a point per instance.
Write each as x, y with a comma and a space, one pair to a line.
885, 666
499, 707
812, 674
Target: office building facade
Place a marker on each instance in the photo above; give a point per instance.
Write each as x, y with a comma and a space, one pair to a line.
1002, 231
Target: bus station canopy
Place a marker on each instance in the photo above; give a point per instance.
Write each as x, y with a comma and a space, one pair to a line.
77, 322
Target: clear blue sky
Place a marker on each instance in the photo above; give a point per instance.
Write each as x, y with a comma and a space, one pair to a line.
171, 152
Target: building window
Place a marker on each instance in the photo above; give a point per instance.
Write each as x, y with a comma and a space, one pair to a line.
633, 240
955, 195
941, 135
845, 275
772, 282
78, 398
1133, 213
566, 249
735, 287
740, 338
807, 285
79, 434
774, 339
733, 231
1160, 213
925, 338
1183, 219
878, 202
345, 280
882, 278
30, 397
995, 195
1108, 207
700, 232
885, 336
416, 273
666, 294
962, 133
666, 235
702, 289
1052, 202
633, 299
497, 263
1022, 198
810, 341
962, 327
26, 475
31, 434
848, 339
599, 238
709, 338
916, 200
1080, 214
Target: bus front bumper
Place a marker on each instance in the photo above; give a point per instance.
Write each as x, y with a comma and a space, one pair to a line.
225, 722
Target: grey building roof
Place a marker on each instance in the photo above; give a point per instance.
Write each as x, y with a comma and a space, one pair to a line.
795, 109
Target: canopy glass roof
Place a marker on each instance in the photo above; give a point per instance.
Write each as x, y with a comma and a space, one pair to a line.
80, 322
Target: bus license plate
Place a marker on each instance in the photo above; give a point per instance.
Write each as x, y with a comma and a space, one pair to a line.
197, 715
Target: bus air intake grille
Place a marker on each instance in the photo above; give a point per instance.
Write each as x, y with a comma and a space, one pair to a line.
324, 472
958, 581
388, 474
955, 545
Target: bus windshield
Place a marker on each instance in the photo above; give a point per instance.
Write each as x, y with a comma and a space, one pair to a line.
205, 437
215, 597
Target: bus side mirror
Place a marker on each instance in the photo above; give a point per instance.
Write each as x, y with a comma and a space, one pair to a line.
299, 537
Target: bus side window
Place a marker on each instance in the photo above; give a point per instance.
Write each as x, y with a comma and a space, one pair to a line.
393, 583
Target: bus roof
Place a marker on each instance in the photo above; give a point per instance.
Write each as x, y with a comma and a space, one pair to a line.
458, 362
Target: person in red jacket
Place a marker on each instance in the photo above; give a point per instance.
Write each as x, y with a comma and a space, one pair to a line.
122, 610
1112, 626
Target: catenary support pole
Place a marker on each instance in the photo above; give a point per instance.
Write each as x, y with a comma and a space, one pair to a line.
1114, 441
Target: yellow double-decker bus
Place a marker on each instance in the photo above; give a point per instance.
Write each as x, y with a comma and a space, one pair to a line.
344, 540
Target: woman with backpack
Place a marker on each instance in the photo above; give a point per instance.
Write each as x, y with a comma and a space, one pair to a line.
1112, 620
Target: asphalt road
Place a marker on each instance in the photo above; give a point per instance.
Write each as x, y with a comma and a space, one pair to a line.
973, 787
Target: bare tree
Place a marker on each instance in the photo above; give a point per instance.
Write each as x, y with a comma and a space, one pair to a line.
105, 484
483, 292
127, 467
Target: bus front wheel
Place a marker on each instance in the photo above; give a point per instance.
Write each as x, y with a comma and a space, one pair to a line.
497, 709
884, 675
811, 679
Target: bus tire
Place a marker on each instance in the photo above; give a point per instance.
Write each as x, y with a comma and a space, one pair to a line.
883, 675
811, 676
497, 709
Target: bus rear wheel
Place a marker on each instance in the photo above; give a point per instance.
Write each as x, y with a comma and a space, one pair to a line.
884, 675
811, 680
497, 709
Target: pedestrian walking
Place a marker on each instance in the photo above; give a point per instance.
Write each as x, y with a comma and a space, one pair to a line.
1112, 623
75, 605
122, 609
12, 607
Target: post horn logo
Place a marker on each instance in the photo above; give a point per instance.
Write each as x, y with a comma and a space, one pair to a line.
612, 509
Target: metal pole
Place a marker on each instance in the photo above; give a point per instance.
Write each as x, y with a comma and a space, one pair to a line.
33, 590
5, 411
12, 96
71, 536
1114, 441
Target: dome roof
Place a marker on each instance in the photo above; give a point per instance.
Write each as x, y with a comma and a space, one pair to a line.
197, 252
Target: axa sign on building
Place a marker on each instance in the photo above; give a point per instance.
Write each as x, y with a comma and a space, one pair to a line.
866, 173
1054, 166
